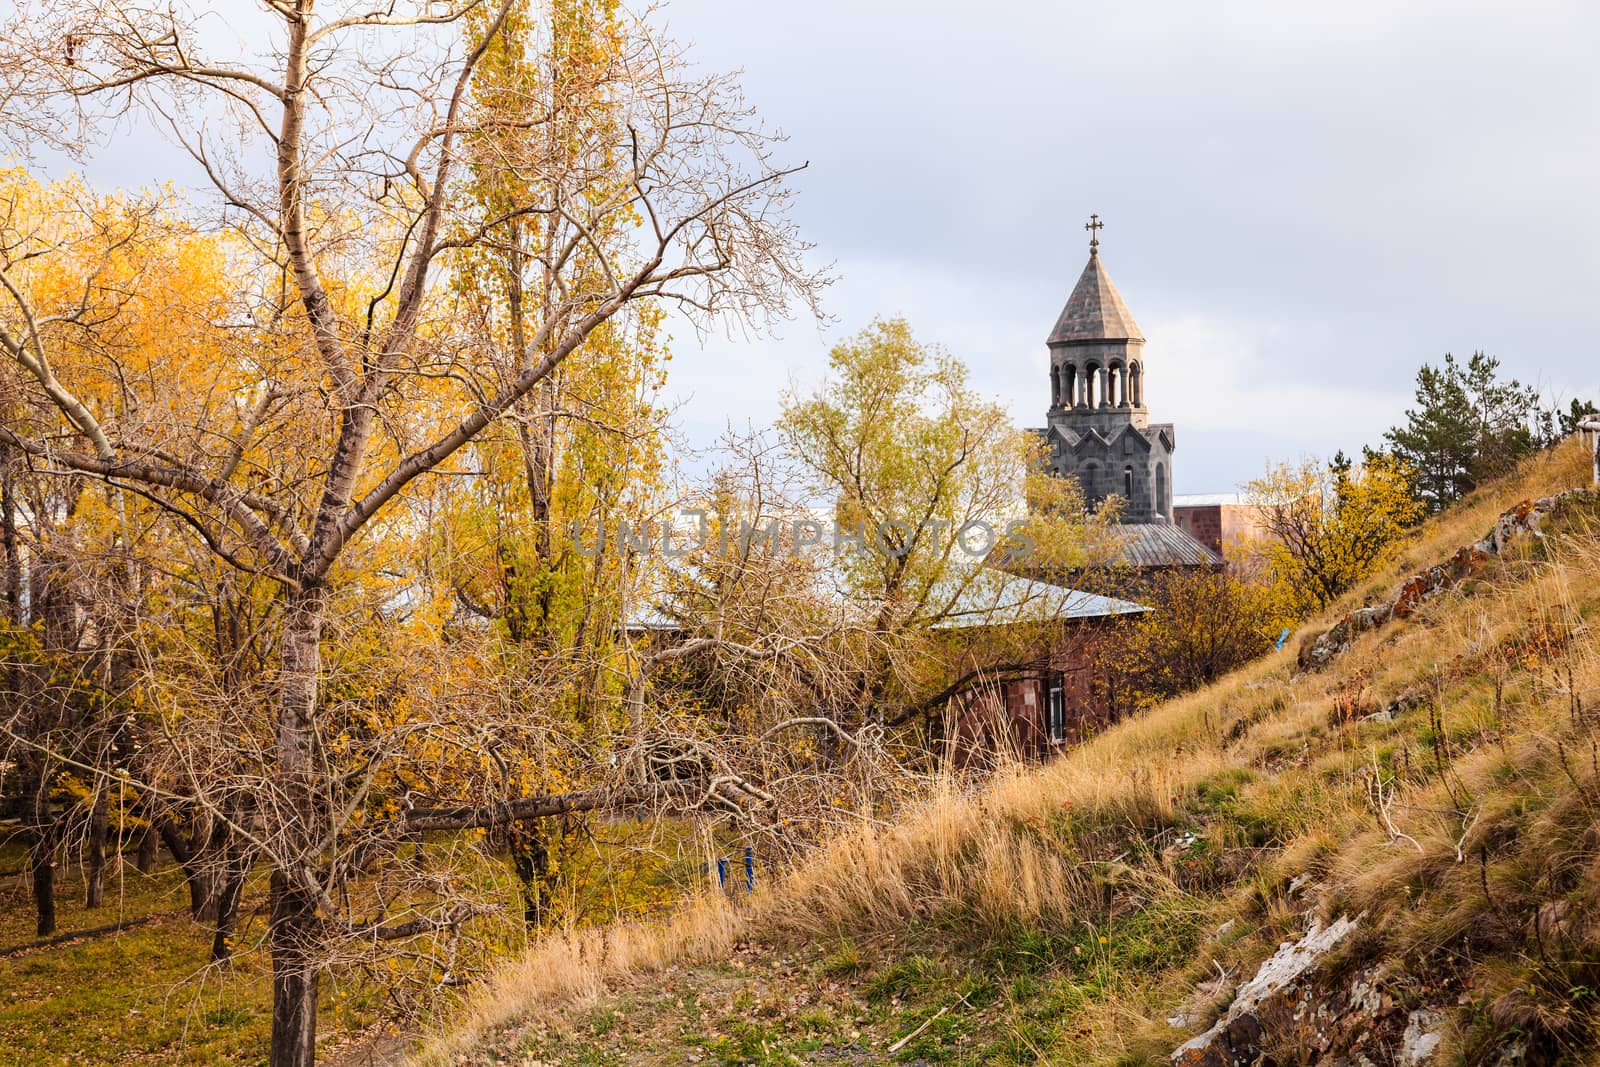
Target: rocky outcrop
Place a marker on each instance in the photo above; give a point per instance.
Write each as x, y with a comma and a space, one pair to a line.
1526, 519
1292, 1003
1268, 1006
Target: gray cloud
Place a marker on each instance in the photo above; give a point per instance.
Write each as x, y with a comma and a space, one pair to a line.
1303, 202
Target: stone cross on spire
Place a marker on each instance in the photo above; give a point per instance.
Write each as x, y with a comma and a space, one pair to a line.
1094, 226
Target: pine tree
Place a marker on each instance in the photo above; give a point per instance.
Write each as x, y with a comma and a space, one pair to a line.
1468, 426
1567, 421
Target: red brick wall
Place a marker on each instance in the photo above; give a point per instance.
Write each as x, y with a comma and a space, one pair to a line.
1219, 526
1014, 716
1202, 522
1241, 524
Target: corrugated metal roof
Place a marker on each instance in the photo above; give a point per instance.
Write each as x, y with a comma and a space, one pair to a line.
1162, 545
991, 598
649, 618
1017, 600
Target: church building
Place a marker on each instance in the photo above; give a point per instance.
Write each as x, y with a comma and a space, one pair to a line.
1099, 429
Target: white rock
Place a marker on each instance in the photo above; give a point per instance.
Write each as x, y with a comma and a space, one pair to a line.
1424, 1031
1285, 967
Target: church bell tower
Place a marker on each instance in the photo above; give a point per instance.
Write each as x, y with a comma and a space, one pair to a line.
1099, 429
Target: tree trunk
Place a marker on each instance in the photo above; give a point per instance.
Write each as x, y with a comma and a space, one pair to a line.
294, 930
167, 829
42, 846
42, 860
530, 859
99, 827
228, 894
202, 895
203, 871
10, 554
145, 859
294, 941
193, 853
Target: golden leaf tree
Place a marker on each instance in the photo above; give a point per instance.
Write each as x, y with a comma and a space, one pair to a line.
949, 505
340, 141
1330, 523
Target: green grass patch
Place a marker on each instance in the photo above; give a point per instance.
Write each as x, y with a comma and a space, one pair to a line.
141, 994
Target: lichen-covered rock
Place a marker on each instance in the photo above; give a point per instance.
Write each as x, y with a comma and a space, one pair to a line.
1270, 1004
1407, 701
1435, 580
1294, 1003
1527, 519
1424, 1031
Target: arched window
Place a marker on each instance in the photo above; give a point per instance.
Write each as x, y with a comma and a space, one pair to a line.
1091, 385
1116, 390
1087, 478
1127, 484
1161, 489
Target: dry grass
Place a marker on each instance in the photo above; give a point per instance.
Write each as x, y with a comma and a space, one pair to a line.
582, 964
1204, 808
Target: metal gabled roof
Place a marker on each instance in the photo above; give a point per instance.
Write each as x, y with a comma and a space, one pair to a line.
1160, 544
1012, 600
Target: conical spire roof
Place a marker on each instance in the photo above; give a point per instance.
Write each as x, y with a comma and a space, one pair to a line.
1095, 311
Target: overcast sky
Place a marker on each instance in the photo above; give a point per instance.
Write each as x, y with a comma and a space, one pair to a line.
1302, 202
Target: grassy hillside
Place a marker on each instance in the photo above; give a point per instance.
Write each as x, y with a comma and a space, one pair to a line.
1438, 783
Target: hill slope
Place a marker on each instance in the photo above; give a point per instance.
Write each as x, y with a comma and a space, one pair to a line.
1388, 854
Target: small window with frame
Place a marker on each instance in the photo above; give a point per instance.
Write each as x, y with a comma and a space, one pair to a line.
1057, 706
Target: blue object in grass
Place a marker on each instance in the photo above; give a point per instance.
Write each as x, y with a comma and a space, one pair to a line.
1281, 639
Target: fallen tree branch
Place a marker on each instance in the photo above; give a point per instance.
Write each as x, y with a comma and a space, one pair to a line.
1380, 801
904, 1041
814, 720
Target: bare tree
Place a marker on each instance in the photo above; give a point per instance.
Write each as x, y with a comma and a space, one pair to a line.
338, 156
747, 652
